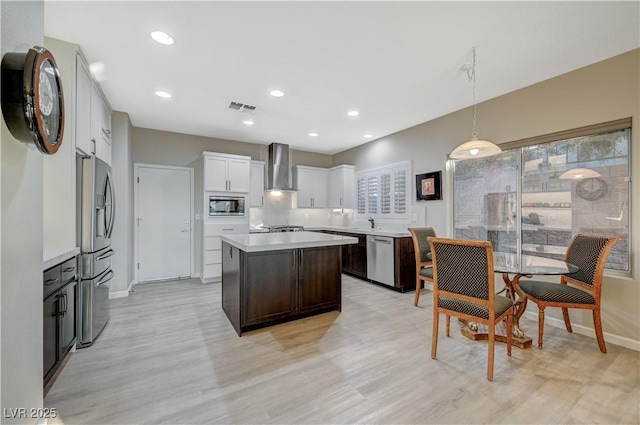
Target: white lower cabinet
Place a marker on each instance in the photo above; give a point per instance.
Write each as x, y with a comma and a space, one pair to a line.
212, 247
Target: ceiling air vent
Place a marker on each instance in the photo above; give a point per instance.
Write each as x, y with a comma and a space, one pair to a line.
241, 107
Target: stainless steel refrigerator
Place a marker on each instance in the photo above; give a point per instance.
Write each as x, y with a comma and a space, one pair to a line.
96, 209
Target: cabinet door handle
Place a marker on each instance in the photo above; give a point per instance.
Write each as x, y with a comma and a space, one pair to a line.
61, 305
69, 269
51, 281
66, 303
341, 201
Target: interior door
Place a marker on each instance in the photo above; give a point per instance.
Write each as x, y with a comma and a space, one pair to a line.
163, 223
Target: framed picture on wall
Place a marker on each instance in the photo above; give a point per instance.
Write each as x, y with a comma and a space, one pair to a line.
429, 186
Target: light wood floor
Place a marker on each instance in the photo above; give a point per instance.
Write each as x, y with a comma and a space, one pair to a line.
169, 355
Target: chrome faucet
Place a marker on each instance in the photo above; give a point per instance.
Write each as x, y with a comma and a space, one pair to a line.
372, 223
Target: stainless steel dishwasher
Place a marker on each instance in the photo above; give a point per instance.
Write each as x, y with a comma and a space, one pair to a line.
380, 263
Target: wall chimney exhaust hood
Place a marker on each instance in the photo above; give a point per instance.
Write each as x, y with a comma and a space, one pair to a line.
278, 168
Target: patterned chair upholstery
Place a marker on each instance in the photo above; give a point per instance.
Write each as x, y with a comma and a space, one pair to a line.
424, 269
589, 253
464, 287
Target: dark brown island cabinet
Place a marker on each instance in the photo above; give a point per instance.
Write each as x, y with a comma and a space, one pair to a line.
262, 288
60, 295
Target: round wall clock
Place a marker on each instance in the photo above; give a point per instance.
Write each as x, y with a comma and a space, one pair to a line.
32, 98
592, 189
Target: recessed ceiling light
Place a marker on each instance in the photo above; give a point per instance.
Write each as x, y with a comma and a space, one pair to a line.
163, 94
368, 136
162, 37
247, 122
353, 113
313, 134
276, 93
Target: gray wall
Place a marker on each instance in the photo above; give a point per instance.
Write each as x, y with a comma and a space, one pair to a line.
122, 169
175, 149
21, 243
598, 93
165, 148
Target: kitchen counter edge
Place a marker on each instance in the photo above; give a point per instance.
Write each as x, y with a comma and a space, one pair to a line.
374, 232
258, 242
50, 260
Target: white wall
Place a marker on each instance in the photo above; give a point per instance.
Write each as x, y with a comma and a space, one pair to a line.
21, 237
59, 170
122, 170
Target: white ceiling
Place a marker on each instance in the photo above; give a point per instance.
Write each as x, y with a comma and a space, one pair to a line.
398, 63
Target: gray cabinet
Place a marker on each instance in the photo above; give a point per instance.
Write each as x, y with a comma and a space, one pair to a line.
60, 295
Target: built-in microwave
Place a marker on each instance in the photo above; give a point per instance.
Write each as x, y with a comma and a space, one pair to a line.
226, 205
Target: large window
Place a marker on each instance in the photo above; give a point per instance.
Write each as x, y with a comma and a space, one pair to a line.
522, 200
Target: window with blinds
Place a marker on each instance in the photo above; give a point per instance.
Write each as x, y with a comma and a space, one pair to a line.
372, 194
361, 191
400, 191
383, 192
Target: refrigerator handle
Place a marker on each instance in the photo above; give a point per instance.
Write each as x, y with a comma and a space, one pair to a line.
110, 206
106, 278
107, 254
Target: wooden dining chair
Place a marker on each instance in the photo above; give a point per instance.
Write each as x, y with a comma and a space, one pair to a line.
464, 287
424, 270
589, 253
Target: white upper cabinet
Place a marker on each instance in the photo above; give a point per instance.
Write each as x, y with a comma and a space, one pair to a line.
342, 187
83, 110
226, 173
93, 116
100, 125
256, 193
311, 183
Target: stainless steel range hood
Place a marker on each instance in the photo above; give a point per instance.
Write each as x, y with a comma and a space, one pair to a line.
278, 168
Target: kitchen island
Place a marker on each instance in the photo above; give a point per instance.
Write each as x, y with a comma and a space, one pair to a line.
269, 278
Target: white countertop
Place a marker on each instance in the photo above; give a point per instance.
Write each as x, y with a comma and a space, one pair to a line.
257, 242
361, 231
51, 259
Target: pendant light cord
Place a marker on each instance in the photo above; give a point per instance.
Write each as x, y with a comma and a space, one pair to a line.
471, 73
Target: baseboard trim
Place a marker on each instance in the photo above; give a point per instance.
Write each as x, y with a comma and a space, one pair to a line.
122, 294
583, 330
118, 294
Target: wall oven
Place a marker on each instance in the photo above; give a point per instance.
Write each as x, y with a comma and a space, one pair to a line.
226, 205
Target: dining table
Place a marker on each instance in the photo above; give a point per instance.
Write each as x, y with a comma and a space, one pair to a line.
514, 267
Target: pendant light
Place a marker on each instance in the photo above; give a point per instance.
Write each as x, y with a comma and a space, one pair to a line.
579, 173
474, 148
